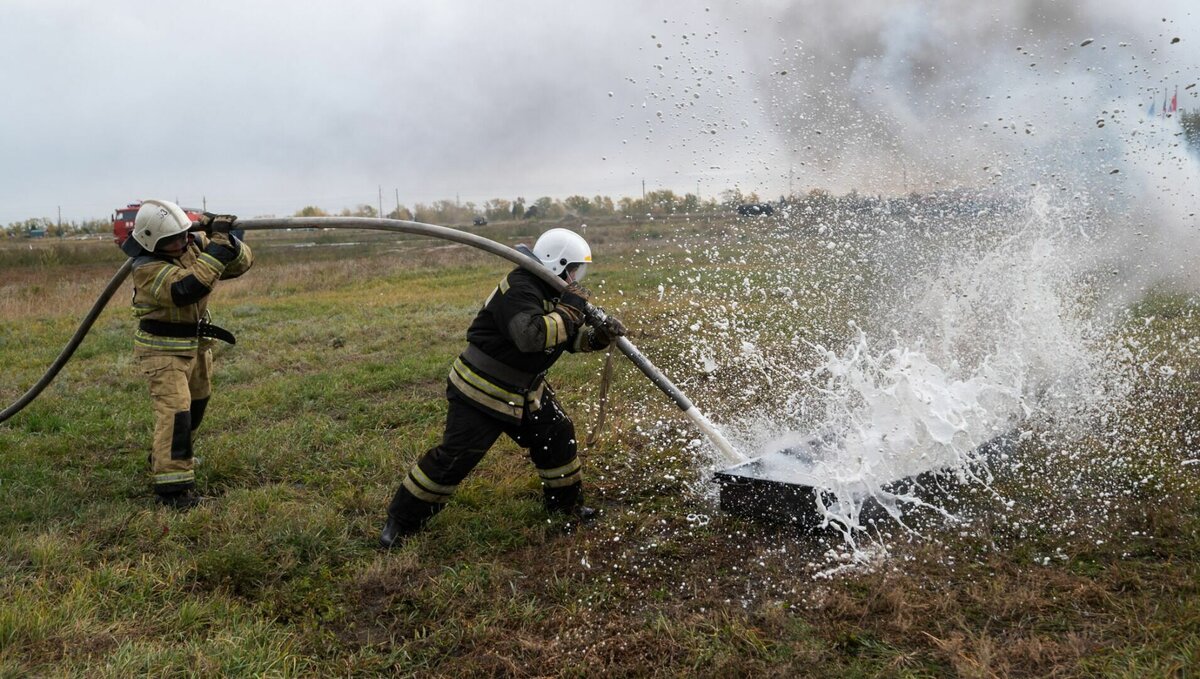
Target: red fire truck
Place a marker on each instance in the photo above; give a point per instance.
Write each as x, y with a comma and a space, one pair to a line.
123, 220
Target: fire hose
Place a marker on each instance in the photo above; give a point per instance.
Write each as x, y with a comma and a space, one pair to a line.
595, 314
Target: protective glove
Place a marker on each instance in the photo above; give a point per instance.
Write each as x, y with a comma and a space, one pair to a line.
609, 330
210, 222
222, 223
614, 327
576, 288
204, 224
570, 306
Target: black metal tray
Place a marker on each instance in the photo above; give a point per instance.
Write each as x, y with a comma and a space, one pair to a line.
747, 491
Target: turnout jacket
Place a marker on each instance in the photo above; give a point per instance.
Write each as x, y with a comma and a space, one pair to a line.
170, 295
512, 342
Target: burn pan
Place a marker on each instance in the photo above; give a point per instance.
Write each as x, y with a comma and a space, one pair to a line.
749, 491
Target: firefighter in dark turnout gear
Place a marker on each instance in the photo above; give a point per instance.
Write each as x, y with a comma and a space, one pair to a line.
173, 273
497, 386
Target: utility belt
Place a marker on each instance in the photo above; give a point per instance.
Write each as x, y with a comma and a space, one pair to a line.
518, 378
186, 330
497, 388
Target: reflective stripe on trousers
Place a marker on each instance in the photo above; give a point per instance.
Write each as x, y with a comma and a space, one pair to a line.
470, 431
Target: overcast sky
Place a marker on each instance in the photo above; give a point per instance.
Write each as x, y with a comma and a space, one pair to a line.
265, 106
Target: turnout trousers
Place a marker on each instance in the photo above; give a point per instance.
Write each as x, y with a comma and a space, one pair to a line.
180, 386
547, 433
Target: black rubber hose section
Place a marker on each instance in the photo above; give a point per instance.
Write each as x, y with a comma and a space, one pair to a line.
81, 332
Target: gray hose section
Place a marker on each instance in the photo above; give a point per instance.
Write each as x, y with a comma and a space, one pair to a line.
595, 313
66, 353
396, 225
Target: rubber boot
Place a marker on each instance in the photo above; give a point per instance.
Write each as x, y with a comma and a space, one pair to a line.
584, 515
568, 502
180, 500
394, 534
415, 514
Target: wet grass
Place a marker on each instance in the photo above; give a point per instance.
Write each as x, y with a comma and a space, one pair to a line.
336, 386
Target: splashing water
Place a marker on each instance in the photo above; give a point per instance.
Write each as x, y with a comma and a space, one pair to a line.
889, 337
900, 415
975, 337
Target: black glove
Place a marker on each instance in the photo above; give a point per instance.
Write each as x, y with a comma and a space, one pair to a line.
571, 312
205, 223
613, 326
222, 223
210, 222
609, 330
576, 289
574, 300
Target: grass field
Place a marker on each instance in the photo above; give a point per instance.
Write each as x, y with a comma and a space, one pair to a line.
336, 386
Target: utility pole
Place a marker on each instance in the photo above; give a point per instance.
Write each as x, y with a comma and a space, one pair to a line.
397, 203
60, 219
643, 189
791, 170
204, 203
380, 200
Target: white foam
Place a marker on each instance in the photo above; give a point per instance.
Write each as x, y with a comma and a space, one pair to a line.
993, 340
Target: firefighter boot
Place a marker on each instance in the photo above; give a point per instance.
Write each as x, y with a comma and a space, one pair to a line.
406, 515
394, 534
583, 515
577, 517
180, 500
568, 502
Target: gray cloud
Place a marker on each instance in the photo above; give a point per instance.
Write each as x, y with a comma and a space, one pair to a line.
264, 107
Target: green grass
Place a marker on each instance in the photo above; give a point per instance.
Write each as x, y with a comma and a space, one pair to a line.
336, 386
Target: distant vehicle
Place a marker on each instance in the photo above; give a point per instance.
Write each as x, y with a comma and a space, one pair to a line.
123, 220
480, 221
755, 209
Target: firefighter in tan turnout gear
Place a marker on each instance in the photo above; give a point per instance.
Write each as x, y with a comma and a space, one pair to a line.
497, 386
174, 270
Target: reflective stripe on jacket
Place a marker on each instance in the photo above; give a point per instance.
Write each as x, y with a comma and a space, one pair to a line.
519, 335
176, 290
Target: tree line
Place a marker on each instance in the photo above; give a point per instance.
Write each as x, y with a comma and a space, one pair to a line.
663, 202
660, 203
655, 203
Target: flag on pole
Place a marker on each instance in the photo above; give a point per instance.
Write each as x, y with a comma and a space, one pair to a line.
1165, 104
1175, 100
1150, 112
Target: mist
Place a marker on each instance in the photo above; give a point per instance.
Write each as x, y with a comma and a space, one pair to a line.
892, 98
1056, 200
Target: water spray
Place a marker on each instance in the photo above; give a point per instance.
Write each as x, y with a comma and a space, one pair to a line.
594, 313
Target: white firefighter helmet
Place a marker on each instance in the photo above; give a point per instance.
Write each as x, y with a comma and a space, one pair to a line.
158, 219
558, 249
